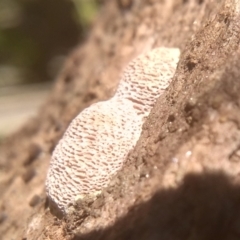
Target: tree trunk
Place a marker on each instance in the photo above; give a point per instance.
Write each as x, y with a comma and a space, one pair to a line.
182, 179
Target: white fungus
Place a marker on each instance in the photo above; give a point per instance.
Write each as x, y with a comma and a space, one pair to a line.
98, 140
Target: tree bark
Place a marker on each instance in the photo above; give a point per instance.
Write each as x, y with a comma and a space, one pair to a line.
182, 179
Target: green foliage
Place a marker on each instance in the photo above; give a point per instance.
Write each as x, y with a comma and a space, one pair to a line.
86, 10
33, 33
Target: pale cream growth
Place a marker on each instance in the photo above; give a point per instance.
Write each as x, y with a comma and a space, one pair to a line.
146, 78
92, 149
97, 142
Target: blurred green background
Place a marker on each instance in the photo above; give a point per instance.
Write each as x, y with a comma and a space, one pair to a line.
35, 38
36, 35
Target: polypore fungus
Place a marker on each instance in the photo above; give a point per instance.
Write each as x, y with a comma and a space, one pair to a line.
98, 140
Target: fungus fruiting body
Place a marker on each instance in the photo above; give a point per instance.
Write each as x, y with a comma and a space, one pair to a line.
98, 140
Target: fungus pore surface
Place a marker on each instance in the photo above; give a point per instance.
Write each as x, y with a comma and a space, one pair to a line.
98, 140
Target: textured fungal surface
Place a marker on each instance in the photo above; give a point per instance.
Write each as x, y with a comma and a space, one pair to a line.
98, 140
146, 77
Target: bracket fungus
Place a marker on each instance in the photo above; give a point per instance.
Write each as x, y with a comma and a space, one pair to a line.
98, 140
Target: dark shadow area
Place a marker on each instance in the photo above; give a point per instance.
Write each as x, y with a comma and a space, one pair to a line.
204, 207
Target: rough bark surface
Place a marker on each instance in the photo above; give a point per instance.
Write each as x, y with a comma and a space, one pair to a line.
182, 180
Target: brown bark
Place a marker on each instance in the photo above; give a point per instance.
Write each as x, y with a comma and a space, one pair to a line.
182, 179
